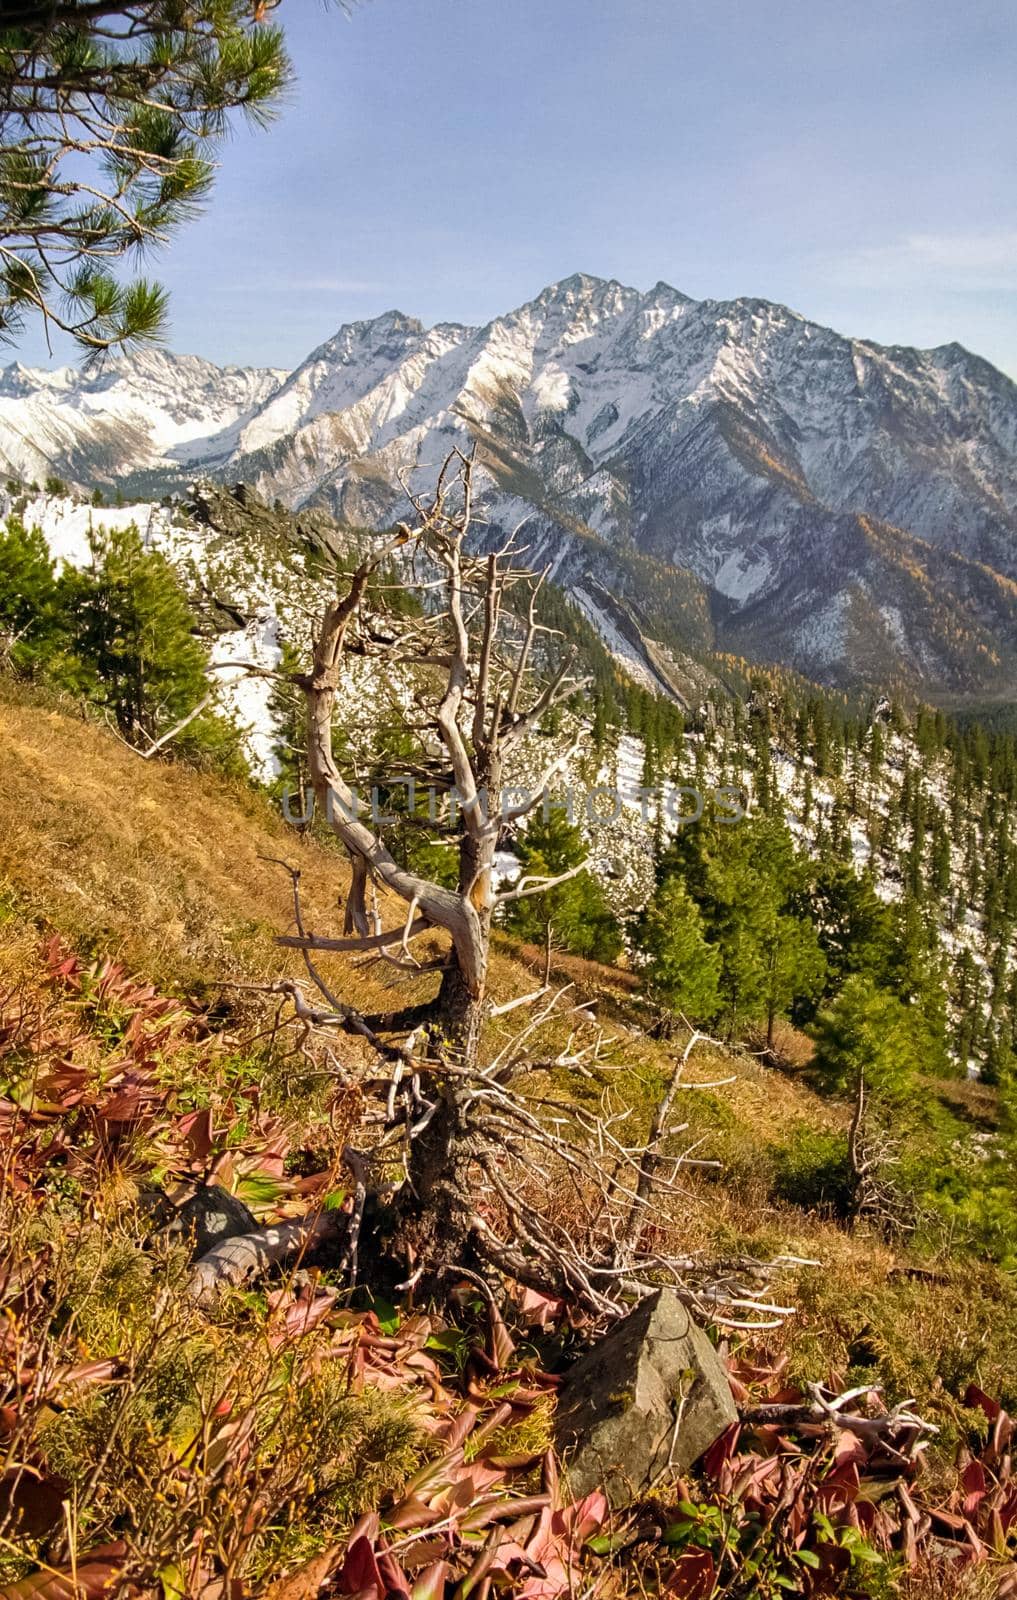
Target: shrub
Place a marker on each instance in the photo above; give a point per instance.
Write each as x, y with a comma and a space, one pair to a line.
813, 1170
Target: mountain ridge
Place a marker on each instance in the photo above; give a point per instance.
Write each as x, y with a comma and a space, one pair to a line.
733, 440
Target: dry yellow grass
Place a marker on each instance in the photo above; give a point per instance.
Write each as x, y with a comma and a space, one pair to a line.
161, 867
165, 868
156, 864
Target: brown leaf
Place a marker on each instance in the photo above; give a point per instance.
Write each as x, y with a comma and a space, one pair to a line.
96, 1575
501, 1347
307, 1580
32, 1501
694, 1576
196, 1128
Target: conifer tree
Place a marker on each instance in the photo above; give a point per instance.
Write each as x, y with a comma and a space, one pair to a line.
916, 973
795, 969
32, 631
680, 968
866, 1036
131, 636
111, 117
574, 915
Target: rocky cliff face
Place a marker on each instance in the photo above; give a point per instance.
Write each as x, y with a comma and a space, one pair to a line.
733, 475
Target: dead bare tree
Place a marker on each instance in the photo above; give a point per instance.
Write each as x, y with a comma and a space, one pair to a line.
873, 1162
478, 1151
483, 698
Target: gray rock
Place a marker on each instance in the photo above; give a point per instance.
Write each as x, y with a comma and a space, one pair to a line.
648, 1399
210, 1216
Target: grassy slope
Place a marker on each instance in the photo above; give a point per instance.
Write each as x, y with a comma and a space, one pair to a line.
160, 866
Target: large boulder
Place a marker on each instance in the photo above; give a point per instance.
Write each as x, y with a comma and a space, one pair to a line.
647, 1400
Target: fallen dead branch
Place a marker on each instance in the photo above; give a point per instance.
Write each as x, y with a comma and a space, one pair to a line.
900, 1429
235, 1261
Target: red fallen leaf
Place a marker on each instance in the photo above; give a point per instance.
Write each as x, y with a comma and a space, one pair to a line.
90, 1372
544, 1383
301, 1317
360, 1573
907, 1501
1002, 1432
393, 1577
196, 1128
758, 1371
739, 1390
492, 1423
314, 1184
848, 1448
977, 1399
419, 1361
466, 1485
128, 1103
842, 1484
306, 1581
272, 1159
425, 1551
722, 1450
1008, 1511
694, 1576
411, 1513
757, 1474
978, 1550
550, 1478
479, 1575
431, 1583
539, 1309
582, 1520
462, 1426
787, 1397
975, 1486
543, 1555
32, 1501
949, 1519
60, 962
360, 1570
495, 1508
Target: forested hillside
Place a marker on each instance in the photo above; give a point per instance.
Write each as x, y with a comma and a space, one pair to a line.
894, 843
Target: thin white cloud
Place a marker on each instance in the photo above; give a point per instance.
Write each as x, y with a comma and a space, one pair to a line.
298, 285
962, 262
335, 286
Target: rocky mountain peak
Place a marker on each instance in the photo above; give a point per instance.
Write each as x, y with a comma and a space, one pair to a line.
847, 508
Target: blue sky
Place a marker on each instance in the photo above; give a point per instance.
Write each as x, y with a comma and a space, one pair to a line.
852, 158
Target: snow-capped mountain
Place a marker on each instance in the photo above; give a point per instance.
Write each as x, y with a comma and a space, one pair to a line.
94, 426
702, 474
